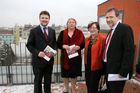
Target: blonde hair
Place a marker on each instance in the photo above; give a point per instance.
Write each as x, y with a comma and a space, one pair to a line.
71, 19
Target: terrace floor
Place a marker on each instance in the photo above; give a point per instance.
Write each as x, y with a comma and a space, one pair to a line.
56, 88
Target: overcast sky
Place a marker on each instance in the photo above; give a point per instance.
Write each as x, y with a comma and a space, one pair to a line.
27, 11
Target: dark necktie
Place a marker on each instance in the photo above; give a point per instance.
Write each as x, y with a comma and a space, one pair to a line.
45, 34
107, 44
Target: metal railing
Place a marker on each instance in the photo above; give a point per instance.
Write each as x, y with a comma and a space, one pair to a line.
15, 67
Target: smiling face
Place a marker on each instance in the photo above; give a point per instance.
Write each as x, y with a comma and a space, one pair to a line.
111, 18
44, 19
93, 30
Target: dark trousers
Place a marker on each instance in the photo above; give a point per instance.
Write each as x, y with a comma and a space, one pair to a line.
92, 80
39, 73
115, 86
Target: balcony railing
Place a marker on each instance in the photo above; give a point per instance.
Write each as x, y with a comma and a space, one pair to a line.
15, 66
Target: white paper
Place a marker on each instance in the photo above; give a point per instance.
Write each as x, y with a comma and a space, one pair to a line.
47, 58
115, 77
51, 52
70, 54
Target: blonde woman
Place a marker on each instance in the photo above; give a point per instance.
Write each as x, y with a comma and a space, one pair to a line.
70, 67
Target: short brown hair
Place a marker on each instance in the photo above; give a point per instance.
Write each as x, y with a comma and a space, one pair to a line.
113, 9
96, 23
44, 12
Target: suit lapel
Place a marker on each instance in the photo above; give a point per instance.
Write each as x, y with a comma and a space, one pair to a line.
49, 33
40, 33
113, 36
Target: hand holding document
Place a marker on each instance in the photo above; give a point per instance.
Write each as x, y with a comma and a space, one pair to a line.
72, 52
49, 52
115, 77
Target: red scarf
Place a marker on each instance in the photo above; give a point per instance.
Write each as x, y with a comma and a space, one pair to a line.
76, 39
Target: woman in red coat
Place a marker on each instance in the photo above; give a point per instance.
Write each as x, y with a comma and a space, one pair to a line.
94, 45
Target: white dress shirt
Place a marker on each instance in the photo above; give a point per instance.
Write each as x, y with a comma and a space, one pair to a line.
113, 29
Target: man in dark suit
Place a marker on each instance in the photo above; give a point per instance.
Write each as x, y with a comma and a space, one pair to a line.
118, 53
39, 38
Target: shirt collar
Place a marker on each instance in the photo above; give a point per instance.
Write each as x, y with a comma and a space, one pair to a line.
43, 26
114, 27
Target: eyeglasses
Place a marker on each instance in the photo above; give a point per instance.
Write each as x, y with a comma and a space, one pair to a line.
93, 28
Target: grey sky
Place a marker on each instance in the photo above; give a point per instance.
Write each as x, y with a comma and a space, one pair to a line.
27, 11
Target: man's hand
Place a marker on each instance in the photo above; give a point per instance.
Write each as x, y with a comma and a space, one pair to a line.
121, 76
55, 54
41, 54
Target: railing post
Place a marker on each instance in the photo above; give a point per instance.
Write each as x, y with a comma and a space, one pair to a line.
57, 69
8, 65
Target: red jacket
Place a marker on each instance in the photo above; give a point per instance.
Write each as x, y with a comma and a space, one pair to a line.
96, 52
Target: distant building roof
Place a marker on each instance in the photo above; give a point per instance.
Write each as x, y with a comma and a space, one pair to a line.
6, 31
28, 27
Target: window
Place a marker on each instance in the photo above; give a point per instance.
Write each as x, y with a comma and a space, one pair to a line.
102, 21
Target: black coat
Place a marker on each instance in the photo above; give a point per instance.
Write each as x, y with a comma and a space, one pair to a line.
120, 52
37, 42
75, 63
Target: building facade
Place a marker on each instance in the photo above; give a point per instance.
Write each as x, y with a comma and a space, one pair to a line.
7, 36
26, 31
17, 31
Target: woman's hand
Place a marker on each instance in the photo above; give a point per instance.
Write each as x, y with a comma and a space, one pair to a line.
76, 47
66, 47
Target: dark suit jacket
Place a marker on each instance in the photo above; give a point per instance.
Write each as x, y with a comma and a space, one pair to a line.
120, 52
37, 42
